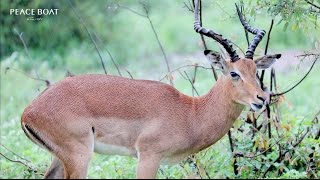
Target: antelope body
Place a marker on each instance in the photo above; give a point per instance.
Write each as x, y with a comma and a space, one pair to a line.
149, 120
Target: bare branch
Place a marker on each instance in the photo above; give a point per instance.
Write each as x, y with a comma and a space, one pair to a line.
69, 74
159, 43
113, 61
273, 83
266, 51
90, 35
237, 47
245, 31
195, 74
235, 166
129, 73
189, 7
214, 73
30, 59
29, 76
182, 75
14, 153
308, 54
111, 57
279, 94
154, 32
312, 4
190, 65
203, 41
201, 35
20, 162
135, 12
27, 51
191, 83
268, 37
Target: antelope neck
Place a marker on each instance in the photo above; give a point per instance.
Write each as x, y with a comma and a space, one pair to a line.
218, 112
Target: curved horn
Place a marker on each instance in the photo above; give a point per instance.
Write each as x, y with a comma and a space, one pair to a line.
209, 33
257, 38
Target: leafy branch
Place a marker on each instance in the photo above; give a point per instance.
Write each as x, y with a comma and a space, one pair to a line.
298, 142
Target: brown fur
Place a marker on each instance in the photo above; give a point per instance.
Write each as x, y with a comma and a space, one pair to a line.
152, 120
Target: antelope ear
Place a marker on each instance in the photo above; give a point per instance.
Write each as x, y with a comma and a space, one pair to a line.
215, 59
266, 61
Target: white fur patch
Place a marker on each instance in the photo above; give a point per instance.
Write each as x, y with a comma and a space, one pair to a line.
110, 149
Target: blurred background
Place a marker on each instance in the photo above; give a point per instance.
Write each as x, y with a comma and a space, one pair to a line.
126, 33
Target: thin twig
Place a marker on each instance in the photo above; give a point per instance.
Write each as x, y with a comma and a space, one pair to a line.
276, 90
237, 46
90, 35
111, 57
245, 31
214, 73
195, 74
185, 78
19, 162
316, 6
262, 84
308, 54
135, 12
189, 65
201, 35
154, 32
14, 153
188, 78
268, 37
30, 59
159, 43
113, 61
189, 7
163, 174
204, 168
129, 73
27, 51
226, 13
235, 166
194, 77
203, 40
266, 51
279, 94
29, 76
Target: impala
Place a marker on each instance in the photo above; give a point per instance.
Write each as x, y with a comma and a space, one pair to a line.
149, 120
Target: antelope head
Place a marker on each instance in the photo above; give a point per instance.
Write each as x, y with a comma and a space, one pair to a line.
242, 72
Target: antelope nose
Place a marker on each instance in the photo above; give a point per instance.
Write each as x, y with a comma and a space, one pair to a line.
261, 98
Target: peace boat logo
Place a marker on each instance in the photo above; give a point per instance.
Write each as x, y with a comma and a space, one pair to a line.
34, 14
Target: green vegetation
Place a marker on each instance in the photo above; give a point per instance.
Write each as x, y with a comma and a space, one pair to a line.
58, 44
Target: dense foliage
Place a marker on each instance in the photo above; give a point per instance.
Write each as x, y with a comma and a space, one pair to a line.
294, 14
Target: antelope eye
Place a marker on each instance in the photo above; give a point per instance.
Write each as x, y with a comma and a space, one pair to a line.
234, 75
